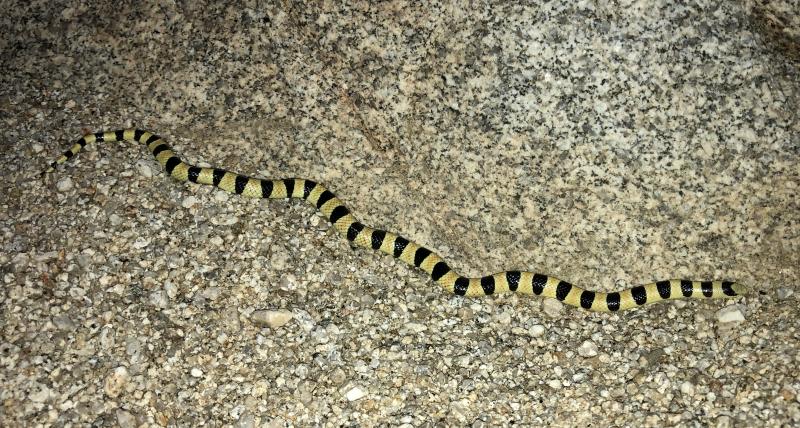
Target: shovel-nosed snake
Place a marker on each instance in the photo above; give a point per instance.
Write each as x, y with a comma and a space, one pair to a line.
406, 250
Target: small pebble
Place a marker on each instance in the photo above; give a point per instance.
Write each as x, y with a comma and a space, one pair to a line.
20, 261
64, 185
354, 394
536, 330
171, 289
652, 357
115, 219
653, 421
279, 259
221, 196
133, 347
195, 372
159, 299
116, 381
224, 220
212, 293
787, 393
288, 283
107, 338
140, 243
320, 335
272, 319
103, 189
587, 349
40, 394
687, 388
730, 314
338, 376
144, 168
555, 384
784, 293
246, 420
125, 419
189, 202
460, 410
723, 421
414, 327
504, 318
63, 322
552, 307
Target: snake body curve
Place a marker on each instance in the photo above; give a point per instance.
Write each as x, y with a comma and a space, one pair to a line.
404, 249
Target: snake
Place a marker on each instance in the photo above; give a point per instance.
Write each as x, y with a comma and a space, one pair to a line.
410, 252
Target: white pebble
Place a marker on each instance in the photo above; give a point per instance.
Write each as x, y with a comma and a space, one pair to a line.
125, 419
536, 330
600, 106
189, 202
723, 421
171, 290
687, 388
195, 372
221, 196
144, 168
64, 184
115, 219
116, 381
304, 320
555, 384
552, 307
246, 420
354, 394
288, 283
460, 410
212, 293
320, 335
133, 347
587, 349
279, 260
730, 314
272, 319
784, 293
707, 147
107, 338
224, 220
414, 327
504, 318
159, 299
41, 394
140, 243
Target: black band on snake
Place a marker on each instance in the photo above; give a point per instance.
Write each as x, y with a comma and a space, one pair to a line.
408, 251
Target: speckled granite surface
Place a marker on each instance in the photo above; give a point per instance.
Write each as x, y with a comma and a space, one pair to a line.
606, 144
